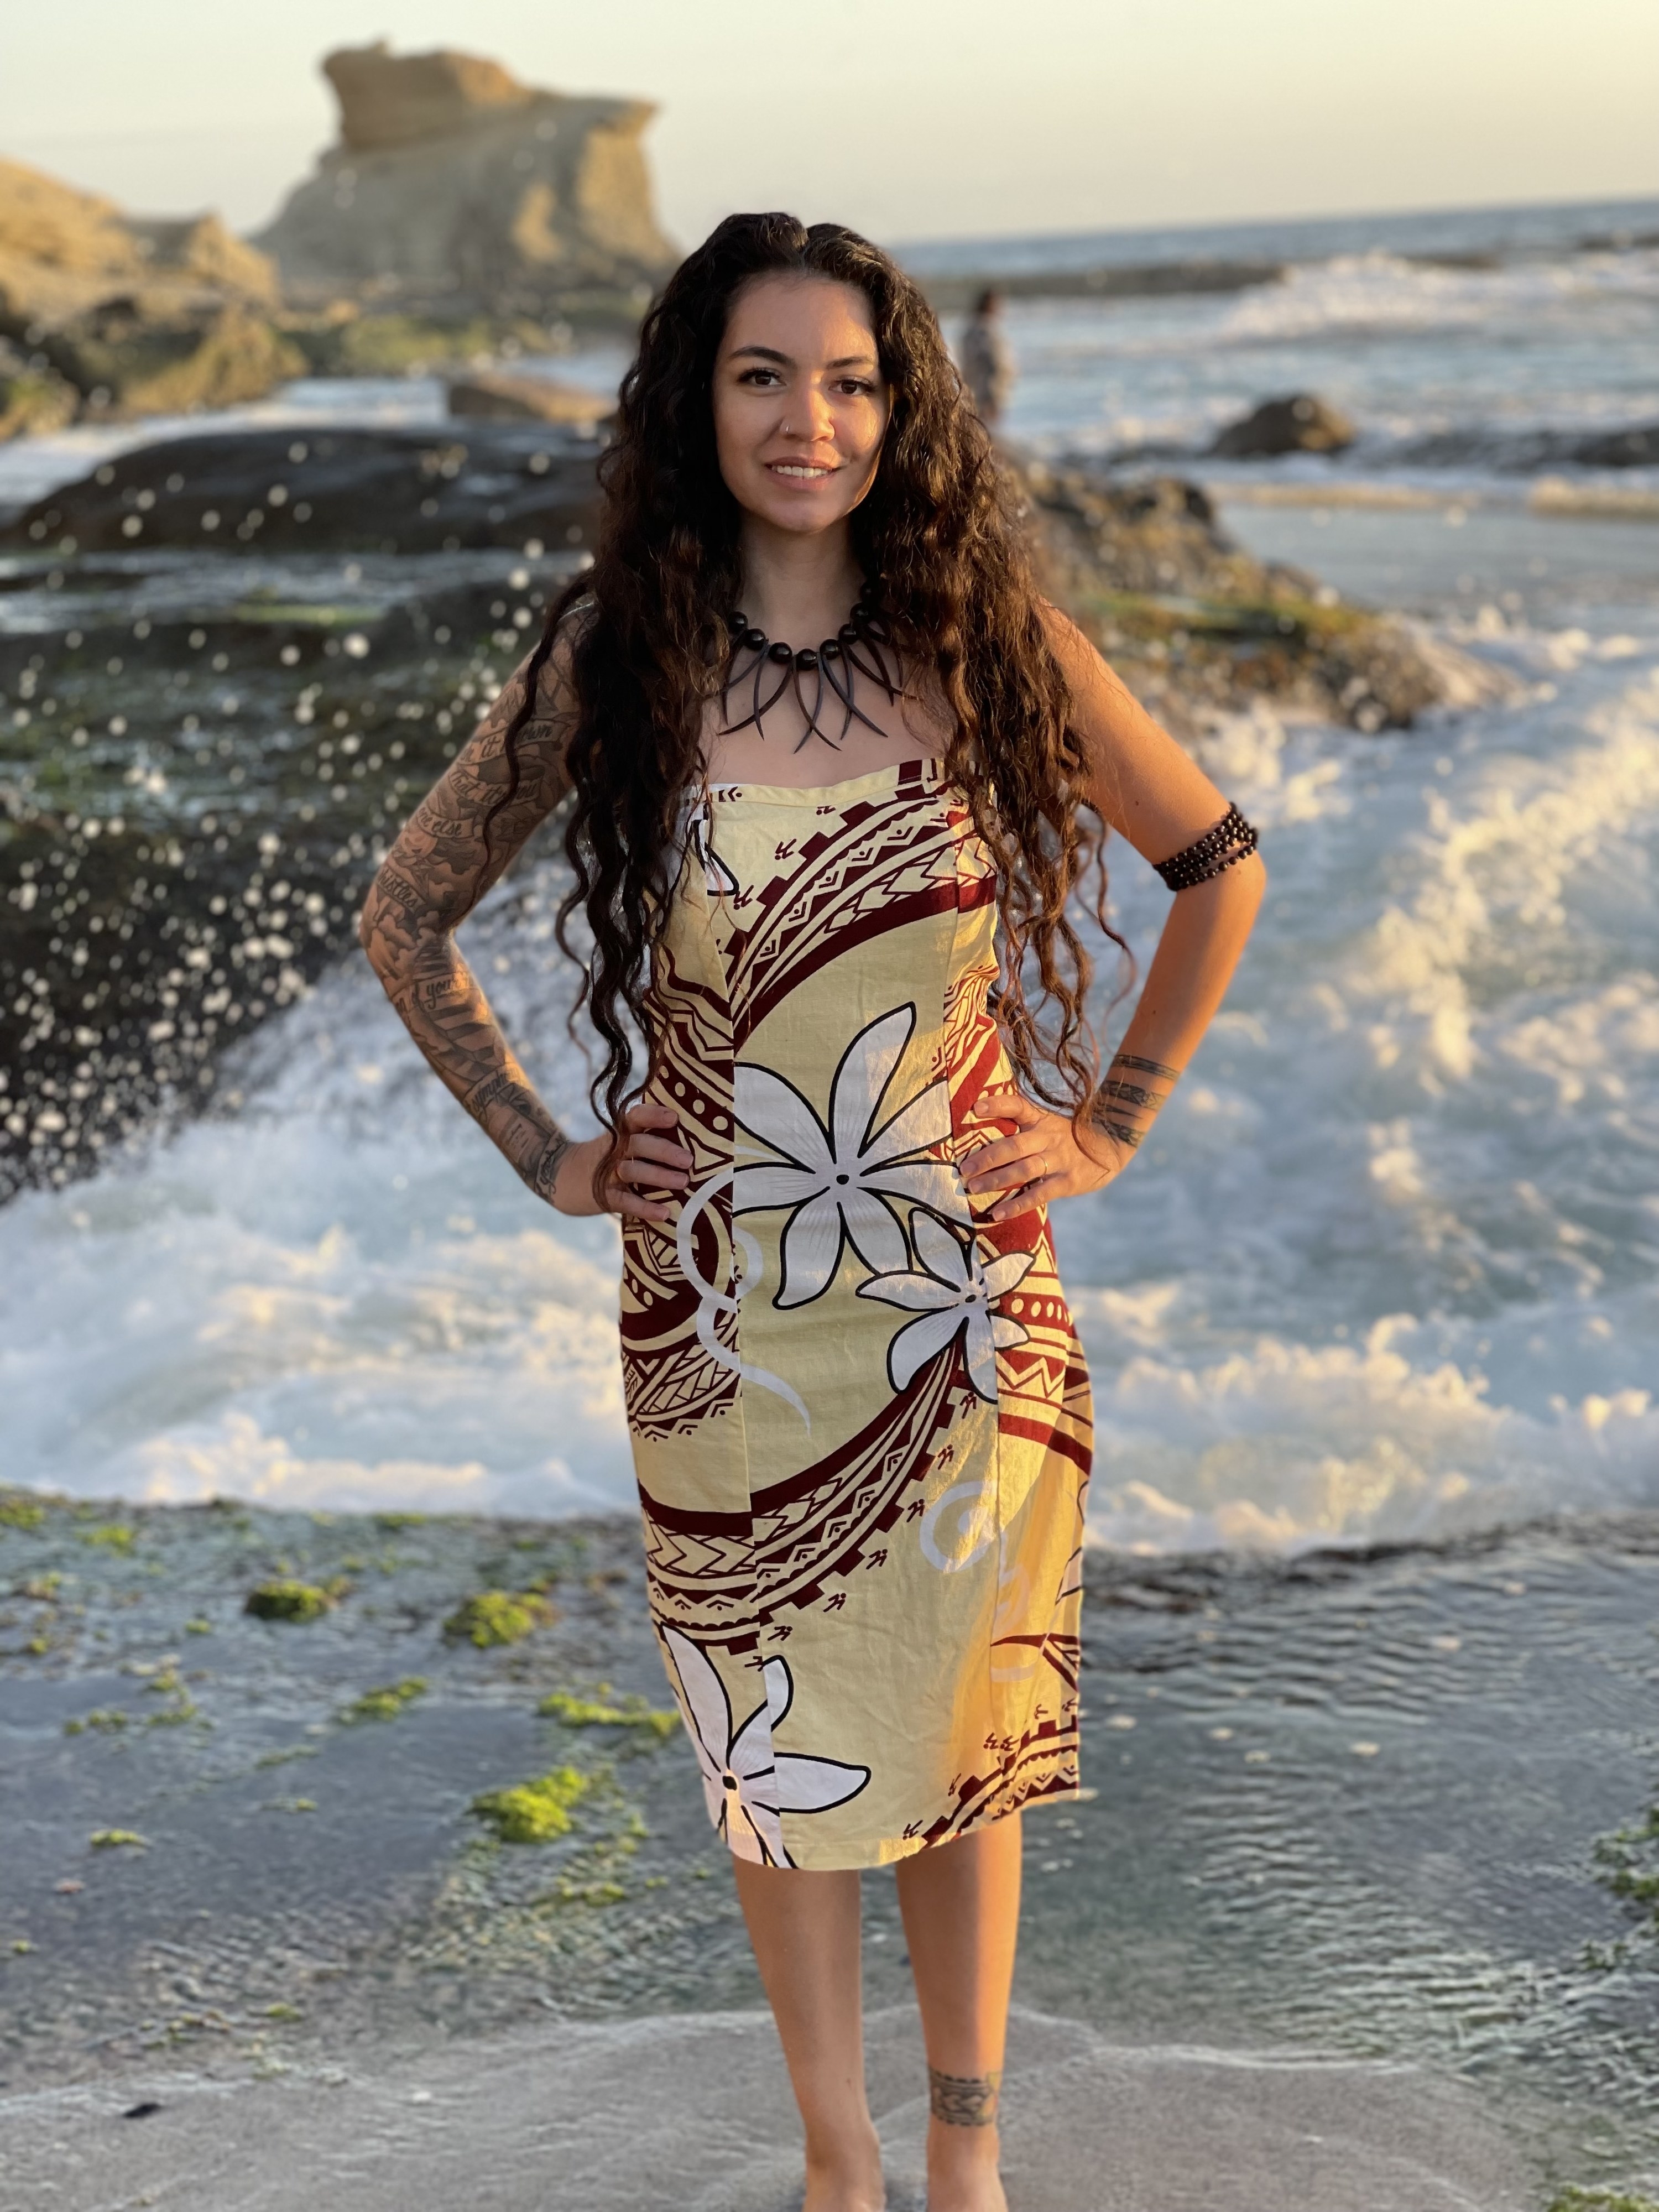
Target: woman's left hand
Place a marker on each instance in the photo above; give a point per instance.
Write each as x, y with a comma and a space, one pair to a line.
1041, 1161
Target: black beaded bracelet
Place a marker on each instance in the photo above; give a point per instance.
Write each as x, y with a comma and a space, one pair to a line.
1231, 839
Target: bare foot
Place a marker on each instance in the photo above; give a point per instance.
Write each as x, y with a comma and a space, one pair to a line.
846, 2183
962, 2169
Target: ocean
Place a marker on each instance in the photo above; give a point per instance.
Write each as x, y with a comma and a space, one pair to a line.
1388, 1268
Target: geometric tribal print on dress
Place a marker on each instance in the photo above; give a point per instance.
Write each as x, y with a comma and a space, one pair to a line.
859, 1410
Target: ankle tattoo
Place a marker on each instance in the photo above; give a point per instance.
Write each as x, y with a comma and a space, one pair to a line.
964, 2100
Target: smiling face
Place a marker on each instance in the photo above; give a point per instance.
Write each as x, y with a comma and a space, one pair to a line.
800, 408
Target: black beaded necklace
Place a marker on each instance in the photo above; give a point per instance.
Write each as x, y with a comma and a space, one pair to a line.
862, 647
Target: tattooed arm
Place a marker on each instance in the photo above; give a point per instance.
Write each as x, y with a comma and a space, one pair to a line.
433, 876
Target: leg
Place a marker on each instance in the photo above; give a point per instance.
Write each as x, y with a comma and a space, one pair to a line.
961, 1906
804, 1929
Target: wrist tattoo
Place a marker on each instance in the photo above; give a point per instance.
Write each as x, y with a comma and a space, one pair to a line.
541, 1171
964, 2100
1125, 1131
1130, 1094
1147, 1067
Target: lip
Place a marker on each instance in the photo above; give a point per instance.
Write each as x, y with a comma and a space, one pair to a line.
802, 472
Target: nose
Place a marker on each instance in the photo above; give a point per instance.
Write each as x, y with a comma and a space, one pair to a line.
809, 416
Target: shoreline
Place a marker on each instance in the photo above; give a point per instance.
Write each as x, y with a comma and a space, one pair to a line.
694, 2112
1300, 1854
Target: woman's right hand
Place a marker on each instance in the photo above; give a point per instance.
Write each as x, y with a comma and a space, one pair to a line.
647, 1161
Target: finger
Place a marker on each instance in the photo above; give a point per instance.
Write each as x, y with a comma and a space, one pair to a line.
643, 1147
1024, 1144
636, 1208
646, 1114
1008, 1176
1040, 1193
1005, 1106
655, 1172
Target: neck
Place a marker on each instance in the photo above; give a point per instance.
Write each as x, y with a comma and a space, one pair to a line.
798, 588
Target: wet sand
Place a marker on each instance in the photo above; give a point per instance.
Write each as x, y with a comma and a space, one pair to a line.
693, 2114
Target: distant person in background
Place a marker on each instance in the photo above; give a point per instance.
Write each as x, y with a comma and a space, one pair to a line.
987, 360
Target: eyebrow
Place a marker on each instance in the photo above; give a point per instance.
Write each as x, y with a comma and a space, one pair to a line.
771, 353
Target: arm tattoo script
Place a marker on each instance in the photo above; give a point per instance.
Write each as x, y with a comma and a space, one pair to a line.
964, 2100
435, 875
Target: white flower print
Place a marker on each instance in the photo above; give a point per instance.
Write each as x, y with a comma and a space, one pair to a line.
957, 1290
747, 1784
845, 1181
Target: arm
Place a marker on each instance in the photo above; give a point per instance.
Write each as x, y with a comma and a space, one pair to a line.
432, 878
1154, 794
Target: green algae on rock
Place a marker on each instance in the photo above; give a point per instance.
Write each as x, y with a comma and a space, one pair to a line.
491, 1616
19, 1511
1627, 1864
286, 1599
587, 1712
107, 1720
1601, 2200
533, 1812
109, 1839
385, 1702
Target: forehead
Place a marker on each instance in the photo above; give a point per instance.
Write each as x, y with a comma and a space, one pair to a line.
807, 318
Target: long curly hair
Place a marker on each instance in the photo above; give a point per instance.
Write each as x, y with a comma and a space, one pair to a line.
938, 540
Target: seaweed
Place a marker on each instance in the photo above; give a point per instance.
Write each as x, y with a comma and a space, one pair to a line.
385, 1704
286, 1599
491, 1616
109, 1839
585, 1712
533, 1812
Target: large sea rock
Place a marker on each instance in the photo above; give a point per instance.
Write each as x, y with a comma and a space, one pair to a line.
1302, 422
108, 315
392, 490
454, 186
1198, 627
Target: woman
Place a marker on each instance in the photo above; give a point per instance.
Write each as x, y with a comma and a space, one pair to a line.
858, 1411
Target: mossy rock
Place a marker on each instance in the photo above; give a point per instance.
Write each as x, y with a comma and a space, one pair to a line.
533, 1812
385, 1704
1601, 2200
17, 1511
286, 1599
114, 1536
34, 401
588, 1712
114, 1839
492, 1617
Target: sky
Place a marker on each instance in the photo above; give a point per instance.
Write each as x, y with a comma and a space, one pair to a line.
908, 119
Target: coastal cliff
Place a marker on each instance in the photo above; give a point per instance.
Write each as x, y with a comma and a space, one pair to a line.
455, 188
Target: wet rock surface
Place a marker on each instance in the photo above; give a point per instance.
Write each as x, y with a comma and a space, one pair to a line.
1302, 423
392, 490
1197, 626
1309, 1819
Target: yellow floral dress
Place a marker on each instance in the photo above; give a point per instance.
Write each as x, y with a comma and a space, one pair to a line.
859, 1410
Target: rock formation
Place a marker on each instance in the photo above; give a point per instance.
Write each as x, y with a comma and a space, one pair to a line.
1197, 626
112, 314
455, 188
1299, 424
